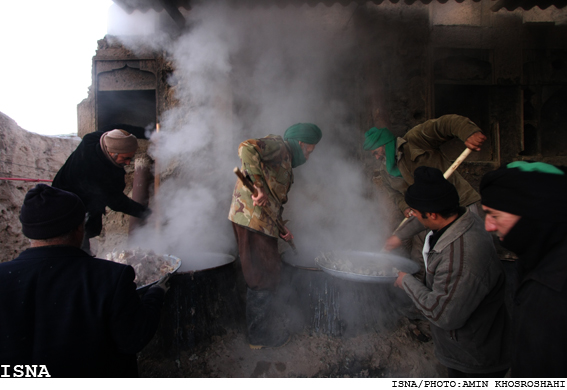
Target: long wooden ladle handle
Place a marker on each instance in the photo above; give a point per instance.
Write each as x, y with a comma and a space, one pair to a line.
457, 162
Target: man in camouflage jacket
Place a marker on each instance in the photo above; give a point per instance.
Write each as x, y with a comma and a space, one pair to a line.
268, 162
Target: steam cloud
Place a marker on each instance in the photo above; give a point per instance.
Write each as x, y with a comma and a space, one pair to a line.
246, 73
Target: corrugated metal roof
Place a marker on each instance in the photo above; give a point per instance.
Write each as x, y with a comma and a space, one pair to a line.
159, 5
171, 5
511, 5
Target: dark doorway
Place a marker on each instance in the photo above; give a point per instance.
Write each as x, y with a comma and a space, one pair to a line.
137, 108
553, 125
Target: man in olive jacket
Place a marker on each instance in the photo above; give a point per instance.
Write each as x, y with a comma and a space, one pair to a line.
420, 146
76, 315
463, 293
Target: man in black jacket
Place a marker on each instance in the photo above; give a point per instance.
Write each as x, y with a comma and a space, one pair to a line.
95, 172
526, 204
70, 313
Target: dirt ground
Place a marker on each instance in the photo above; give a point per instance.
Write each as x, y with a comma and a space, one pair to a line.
404, 350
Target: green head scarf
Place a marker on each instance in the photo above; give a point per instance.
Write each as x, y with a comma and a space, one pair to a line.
535, 167
304, 132
374, 138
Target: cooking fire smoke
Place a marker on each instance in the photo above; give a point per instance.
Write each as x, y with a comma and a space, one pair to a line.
245, 73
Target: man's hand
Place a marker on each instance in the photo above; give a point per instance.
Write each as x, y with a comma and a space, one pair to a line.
261, 199
407, 212
287, 236
475, 141
398, 282
163, 283
392, 243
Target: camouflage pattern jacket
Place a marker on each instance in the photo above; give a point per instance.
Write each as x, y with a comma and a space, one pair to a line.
267, 162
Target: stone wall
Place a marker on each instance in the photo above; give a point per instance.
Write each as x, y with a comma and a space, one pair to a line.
24, 155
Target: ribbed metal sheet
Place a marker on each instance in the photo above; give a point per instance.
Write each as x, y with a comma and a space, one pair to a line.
511, 5
146, 5
159, 5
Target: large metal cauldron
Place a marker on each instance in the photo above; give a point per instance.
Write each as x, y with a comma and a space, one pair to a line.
365, 267
202, 302
322, 303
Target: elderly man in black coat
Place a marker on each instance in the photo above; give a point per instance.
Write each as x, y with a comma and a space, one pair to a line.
95, 172
70, 313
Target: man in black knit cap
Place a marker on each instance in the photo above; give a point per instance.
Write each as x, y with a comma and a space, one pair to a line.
526, 204
463, 292
75, 315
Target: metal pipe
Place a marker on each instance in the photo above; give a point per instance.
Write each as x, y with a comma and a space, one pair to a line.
140, 190
157, 182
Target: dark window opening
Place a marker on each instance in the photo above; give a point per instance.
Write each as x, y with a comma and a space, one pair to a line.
137, 108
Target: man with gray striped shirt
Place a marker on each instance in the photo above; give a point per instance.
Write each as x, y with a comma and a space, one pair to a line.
463, 292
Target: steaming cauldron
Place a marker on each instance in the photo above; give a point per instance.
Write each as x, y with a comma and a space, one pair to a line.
202, 302
321, 303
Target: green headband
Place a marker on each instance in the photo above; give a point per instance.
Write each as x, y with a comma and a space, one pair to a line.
535, 167
374, 138
304, 132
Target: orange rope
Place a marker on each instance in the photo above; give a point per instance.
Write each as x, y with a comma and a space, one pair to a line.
20, 179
